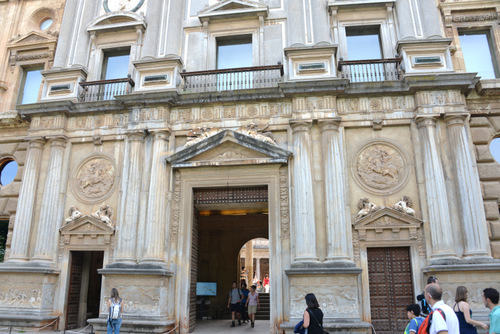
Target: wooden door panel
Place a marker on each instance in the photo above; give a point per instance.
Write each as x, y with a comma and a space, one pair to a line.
75, 285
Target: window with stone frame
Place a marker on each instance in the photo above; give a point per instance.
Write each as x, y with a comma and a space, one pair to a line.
115, 63
31, 83
478, 51
363, 42
4, 225
234, 52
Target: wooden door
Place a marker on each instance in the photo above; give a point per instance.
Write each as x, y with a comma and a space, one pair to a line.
75, 286
391, 288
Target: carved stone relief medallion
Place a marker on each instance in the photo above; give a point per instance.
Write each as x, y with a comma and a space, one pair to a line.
122, 5
94, 179
380, 167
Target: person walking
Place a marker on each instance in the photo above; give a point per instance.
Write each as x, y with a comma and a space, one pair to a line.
464, 313
244, 310
413, 313
235, 297
490, 299
116, 308
444, 320
253, 303
313, 316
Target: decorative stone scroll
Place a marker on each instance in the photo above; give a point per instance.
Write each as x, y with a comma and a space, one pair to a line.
94, 179
380, 167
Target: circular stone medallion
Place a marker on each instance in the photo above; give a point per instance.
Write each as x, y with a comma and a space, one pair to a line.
381, 167
94, 179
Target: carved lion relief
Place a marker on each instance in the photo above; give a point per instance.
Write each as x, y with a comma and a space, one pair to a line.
94, 179
380, 167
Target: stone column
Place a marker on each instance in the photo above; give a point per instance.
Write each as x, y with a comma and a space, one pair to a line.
25, 205
64, 39
157, 201
127, 227
46, 245
249, 261
472, 215
151, 38
81, 46
257, 269
338, 221
172, 41
303, 196
437, 201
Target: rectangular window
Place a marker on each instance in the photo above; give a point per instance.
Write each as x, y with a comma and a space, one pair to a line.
477, 48
4, 230
234, 52
115, 64
30, 85
363, 42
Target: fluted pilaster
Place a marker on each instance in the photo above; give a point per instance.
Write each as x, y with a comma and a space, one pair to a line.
303, 194
47, 225
338, 225
25, 206
127, 227
472, 216
157, 219
437, 201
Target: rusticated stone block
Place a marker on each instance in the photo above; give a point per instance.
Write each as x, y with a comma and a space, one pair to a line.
484, 154
495, 249
489, 171
479, 122
495, 121
491, 210
491, 190
495, 231
482, 135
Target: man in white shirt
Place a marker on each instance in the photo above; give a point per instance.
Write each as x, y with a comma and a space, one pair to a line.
448, 324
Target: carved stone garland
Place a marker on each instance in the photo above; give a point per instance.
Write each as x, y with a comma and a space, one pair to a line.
176, 204
284, 206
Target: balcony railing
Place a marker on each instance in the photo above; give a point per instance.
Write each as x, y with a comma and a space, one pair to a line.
232, 79
372, 70
104, 89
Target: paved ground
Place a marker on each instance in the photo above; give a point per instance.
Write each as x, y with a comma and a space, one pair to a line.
202, 327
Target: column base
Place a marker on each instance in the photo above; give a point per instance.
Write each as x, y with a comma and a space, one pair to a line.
339, 263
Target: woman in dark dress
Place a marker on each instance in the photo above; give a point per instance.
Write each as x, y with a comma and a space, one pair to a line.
313, 316
464, 313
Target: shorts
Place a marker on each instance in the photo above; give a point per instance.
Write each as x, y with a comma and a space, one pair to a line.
252, 309
235, 307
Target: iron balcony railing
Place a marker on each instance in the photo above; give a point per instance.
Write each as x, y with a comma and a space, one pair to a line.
232, 79
104, 89
372, 70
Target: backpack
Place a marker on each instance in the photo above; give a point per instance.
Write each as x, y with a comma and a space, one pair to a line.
426, 325
115, 310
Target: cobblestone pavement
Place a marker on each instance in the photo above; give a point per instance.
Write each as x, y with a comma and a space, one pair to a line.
202, 327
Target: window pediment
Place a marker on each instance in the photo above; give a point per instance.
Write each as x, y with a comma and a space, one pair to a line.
31, 38
233, 9
117, 21
229, 147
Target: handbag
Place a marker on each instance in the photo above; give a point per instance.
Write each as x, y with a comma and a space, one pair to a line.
320, 325
299, 329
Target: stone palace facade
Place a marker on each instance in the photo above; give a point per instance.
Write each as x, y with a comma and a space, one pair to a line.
166, 134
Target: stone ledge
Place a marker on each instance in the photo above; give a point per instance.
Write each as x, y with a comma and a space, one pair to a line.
140, 269
488, 264
323, 268
137, 326
23, 268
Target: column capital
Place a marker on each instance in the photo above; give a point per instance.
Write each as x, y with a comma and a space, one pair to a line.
426, 120
58, 141
37, 142
455, 119
300, 125
136, 136
329, 124
161, 134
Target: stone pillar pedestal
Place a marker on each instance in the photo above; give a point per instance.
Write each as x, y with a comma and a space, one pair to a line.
437, 201
48, 224
127, 225
19, 247
472, 217
157, 225
338, 221
303, 220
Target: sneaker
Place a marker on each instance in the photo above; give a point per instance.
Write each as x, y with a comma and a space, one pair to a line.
239, 322
232, 324
253, 324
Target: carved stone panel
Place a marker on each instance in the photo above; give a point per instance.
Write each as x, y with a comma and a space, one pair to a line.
380, 167
94, 179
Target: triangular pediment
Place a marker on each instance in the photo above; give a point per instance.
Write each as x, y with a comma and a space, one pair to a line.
87, 225
229, 147
32, 38
387, 218
233, 8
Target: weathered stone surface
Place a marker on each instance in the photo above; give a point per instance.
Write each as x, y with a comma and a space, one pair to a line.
489, 171
491, 190
491, 209
484, 154
481, 135
481, 122
495, 230
495, 249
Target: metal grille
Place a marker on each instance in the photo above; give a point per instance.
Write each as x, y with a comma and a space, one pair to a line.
391, 288
230, 195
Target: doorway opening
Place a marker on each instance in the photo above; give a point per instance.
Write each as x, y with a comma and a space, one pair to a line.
84, 292
391, 288
225, 220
